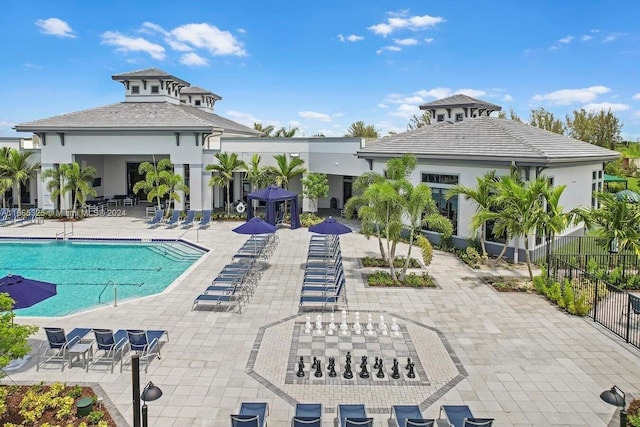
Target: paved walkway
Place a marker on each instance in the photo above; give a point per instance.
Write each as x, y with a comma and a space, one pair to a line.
518, 359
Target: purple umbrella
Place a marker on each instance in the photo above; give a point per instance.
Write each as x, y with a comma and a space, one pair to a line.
330, 226
26, 292
255, 226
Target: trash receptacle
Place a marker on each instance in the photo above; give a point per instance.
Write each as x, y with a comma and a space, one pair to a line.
84, 407
333, 204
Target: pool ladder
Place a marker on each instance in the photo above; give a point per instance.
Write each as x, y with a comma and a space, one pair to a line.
115, 292
64, 234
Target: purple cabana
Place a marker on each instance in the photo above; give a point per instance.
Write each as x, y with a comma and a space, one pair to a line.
273, 196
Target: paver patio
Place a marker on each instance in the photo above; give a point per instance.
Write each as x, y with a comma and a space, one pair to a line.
526, 362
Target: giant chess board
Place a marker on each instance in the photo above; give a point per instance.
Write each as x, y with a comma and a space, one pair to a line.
275, 360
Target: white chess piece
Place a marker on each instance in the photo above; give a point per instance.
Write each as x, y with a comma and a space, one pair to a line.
382, 326
344, 327
319, 330
356, 325
332, 324
394, 327
370, 325
307, 326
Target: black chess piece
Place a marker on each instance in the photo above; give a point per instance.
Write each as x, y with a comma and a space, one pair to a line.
332, 367
348, 358
364, 373
408, 363
348, 374
318, 372
411, 373
375, 365
394, 373
300, 372
380, 373
363, 362
330, 362
315, 362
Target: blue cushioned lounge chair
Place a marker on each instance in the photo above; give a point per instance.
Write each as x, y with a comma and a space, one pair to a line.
188, 221
410, 416
354, 415
174, 220
206, 219
461, 416
251, 414
145, 343
308, 415
157, 219
29, 219
58, 344
111, 344
10, 218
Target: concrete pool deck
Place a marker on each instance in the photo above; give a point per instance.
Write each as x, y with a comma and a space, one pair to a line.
518, 359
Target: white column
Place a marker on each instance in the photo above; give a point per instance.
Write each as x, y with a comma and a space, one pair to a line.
178, 168
307, 205
195, 187
44, 195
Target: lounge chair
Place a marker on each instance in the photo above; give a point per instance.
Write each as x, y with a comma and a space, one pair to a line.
174, 220
336, 297
112, 344
236, 296
145, 343
157, 219
410, 416
206, 219
10, 218
308, 415
29, 219
58, 344
188, 221
461, 416
353, 416
251, 415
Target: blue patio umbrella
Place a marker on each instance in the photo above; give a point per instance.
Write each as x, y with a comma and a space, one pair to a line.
330, 226
628, 196
255, 226
26, 292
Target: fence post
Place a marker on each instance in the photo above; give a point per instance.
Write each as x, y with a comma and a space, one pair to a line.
595, 302
628, 317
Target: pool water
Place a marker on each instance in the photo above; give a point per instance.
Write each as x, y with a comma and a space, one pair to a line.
82, 270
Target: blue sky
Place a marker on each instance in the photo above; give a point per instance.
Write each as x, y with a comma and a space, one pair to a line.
321, 66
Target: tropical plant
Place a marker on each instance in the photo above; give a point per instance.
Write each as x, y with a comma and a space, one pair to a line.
153, 183
284, 171
54, 178
617, 221
266, 130
544, 119
79, 182
359, 129
314, 187
283, 132
175, 184
227, 165
17, 169
601, 128
256, 174
417, 122
13, 336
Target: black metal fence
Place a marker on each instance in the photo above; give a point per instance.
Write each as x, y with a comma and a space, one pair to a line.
612, 307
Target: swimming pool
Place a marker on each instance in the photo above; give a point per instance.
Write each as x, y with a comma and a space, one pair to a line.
83, 268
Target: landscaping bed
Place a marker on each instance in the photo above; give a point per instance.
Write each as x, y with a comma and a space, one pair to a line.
509, 284
50, 405
398, 262
411, 280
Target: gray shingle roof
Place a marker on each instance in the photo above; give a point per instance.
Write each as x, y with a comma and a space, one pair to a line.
487, 139
137, 116
197, 90
148, 73
460, 100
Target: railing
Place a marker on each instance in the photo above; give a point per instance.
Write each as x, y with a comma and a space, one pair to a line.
612, 307
115, 292
64, 234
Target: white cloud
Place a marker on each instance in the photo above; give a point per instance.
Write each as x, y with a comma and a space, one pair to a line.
406, 111
428, 40
350, 38
406, 42
570, 96
55, 27
388, 49
241, 31
586, 38
150, 28
611, 37
554, 47
636, 114
209, 37
381, 105
400, 20
193, 60
474, 93
507, 98
606, 106
32, 65
242, 117
636, 96
566, 39
438, 93
315, 116
130, 44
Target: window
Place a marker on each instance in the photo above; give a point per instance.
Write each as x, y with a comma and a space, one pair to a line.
459, 117
434, 178
441, 117
197, 103
440, 184
135, 90
596, 185
155, 89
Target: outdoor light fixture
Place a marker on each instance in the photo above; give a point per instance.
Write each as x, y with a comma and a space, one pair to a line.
149, 394
294, 154
616, 397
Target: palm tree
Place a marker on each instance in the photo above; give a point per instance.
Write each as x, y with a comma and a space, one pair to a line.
174, 183
286, 133
54, 178
266, 131
255, 173
227, 165
617, 221
483, 196
285, 170
153, 183
16, 168
79, 182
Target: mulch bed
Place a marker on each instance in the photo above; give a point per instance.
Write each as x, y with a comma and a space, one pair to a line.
17, 392
509, 284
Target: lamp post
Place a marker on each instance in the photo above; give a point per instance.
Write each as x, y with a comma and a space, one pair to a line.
149, 394
135, 383
616, 397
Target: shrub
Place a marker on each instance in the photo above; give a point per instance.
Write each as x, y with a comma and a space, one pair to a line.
95, 417
427, 250
308, 219
554, 293
383, 278
568, 297
582, 305
3, 402
76, 392
471, 257
540, 285
398, 263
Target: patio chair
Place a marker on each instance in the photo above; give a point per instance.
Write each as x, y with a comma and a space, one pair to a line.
58, 345
188, 221
308, 415
174, 220
112, 345
29, 219
251, 414
353, 415
10, 218
145, 343
461, 416
410, 416
324, 299
157, 219
206, 219
234, 296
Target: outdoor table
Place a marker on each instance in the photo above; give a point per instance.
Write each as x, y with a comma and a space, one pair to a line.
81, 350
